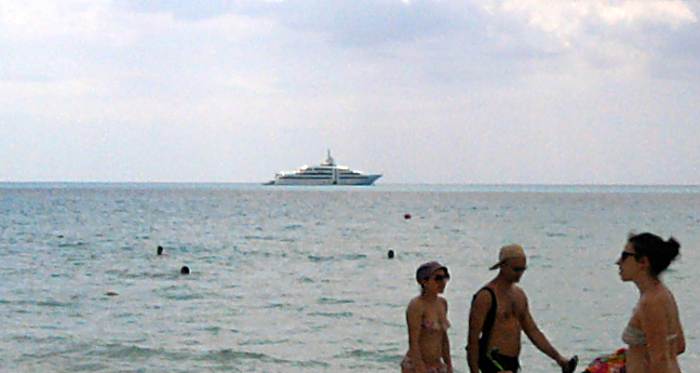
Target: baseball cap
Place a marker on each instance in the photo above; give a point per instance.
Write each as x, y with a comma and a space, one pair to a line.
508, 252
427, 269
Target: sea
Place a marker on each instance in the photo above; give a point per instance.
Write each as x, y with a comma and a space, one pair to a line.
297, 279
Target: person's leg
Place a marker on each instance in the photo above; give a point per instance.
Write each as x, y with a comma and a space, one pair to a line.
441, 368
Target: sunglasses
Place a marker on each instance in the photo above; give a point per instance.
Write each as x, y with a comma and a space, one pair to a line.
440, 278
626, 254
518, 269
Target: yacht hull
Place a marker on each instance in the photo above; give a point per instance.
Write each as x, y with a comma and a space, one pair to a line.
364, 180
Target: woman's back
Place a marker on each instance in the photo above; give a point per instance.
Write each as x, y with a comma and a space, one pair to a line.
654, 334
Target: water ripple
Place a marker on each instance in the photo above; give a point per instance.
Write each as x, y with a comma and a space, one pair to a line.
381, 356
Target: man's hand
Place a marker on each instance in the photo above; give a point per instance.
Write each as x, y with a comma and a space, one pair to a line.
562, 361
568, 366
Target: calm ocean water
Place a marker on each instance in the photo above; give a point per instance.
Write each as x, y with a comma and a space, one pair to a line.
289, 279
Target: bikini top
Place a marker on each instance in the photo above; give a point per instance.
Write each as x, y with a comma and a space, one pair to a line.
635, 337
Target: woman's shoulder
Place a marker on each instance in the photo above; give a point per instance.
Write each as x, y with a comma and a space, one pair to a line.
656, 299
416, 303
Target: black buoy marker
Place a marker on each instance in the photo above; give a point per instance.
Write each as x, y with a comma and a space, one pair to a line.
406, 216
390, 254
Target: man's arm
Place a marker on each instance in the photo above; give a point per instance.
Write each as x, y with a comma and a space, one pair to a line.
535, 335
477, 316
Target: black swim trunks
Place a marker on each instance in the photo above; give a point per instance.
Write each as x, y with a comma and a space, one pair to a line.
487, 364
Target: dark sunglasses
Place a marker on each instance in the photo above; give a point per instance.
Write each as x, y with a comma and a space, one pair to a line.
626, 254
518, 269
440, 278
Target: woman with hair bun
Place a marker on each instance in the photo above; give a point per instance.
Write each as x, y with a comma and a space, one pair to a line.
654, 333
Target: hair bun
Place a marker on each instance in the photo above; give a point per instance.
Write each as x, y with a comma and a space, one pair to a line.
672, 249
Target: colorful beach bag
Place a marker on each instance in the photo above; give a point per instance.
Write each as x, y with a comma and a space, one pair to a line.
613, 363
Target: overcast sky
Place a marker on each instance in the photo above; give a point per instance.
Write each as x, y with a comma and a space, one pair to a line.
585, 92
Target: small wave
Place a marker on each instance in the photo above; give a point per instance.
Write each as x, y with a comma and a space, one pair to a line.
293, 227
380, 356
318, 258
212, 329
315, 258
555, 234
128, 352
277, 305
264, 341
46, 303
228, 355
37, 340
116, 271
259, 238
326, 300
335, 315
72, 244
311, 364
89, 367
66, 348
191, 296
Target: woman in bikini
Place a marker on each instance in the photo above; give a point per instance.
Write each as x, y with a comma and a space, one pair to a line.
654, 333
426, 316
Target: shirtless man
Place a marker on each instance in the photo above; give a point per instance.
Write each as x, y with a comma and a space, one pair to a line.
496, 348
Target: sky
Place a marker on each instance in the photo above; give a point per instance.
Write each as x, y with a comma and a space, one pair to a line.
485, 92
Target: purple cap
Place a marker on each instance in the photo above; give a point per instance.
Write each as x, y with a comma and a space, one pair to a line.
427, 269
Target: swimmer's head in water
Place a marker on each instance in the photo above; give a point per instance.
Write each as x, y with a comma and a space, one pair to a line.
160, 250
185, 270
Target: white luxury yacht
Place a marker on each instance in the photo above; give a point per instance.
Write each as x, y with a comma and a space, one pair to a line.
327, 173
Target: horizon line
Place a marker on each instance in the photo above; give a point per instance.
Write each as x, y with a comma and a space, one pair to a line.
387, 184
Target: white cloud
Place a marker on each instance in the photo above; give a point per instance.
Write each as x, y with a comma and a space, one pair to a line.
671, 13
37, 19
567, 20
80, 21
93, 61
